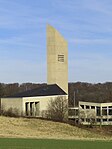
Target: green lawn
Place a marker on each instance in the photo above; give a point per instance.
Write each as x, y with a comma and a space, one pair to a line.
10, 143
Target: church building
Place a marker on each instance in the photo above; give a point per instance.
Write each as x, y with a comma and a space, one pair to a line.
35, 102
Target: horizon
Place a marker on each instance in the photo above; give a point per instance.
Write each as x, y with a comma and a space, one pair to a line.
86, 25
46, 82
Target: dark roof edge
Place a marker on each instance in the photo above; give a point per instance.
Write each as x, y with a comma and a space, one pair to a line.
47, 90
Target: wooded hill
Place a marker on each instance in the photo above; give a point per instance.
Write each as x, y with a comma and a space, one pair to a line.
100, 92
90, 92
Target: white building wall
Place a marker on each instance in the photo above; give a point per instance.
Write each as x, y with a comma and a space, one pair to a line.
12, 103
43, 102
19, 103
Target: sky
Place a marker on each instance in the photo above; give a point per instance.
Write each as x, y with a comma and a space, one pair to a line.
85, 24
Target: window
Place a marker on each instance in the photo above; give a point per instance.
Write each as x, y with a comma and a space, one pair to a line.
110, 111
104, 120
104, 107
82, 106
87, 107
92, 120
92, 107
98, 111
82, 119
31, 108
61, 58
26, 105
76, 112
104, 111
98, 120
88, 120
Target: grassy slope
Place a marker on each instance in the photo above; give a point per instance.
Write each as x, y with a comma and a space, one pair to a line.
35, 128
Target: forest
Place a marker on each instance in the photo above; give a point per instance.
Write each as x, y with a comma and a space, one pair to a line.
83, 91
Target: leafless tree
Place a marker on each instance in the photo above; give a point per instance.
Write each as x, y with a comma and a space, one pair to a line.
58, 109
89, 115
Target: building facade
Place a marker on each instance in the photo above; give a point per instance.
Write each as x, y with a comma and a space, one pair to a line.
32, 103
89, 112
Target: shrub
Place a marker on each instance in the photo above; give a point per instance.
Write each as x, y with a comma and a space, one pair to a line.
58, 109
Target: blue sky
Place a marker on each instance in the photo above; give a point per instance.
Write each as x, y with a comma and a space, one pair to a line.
86, 24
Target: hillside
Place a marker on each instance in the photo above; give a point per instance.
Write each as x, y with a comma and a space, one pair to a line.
36, 128
100, 92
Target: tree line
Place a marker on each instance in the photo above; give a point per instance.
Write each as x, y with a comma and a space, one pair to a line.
100, 92
13, 88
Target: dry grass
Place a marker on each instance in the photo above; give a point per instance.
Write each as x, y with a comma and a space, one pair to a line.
36, 128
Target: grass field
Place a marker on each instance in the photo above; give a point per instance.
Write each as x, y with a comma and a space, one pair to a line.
10, 143
42, 129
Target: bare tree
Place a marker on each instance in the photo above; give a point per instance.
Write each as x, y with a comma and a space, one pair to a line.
89, 115
58, 109
11, 112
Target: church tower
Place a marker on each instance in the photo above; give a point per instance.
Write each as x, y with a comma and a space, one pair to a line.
57, 59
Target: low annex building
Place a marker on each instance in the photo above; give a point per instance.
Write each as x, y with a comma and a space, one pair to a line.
35, 102
91, 113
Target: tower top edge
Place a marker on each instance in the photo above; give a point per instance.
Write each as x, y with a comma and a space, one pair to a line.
55, 31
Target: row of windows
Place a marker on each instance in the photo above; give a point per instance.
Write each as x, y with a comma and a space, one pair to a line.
87, 107
32, 108
72, 112
97, 120
93, 107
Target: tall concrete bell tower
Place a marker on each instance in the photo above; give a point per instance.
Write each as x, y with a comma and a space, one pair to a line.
57, 59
